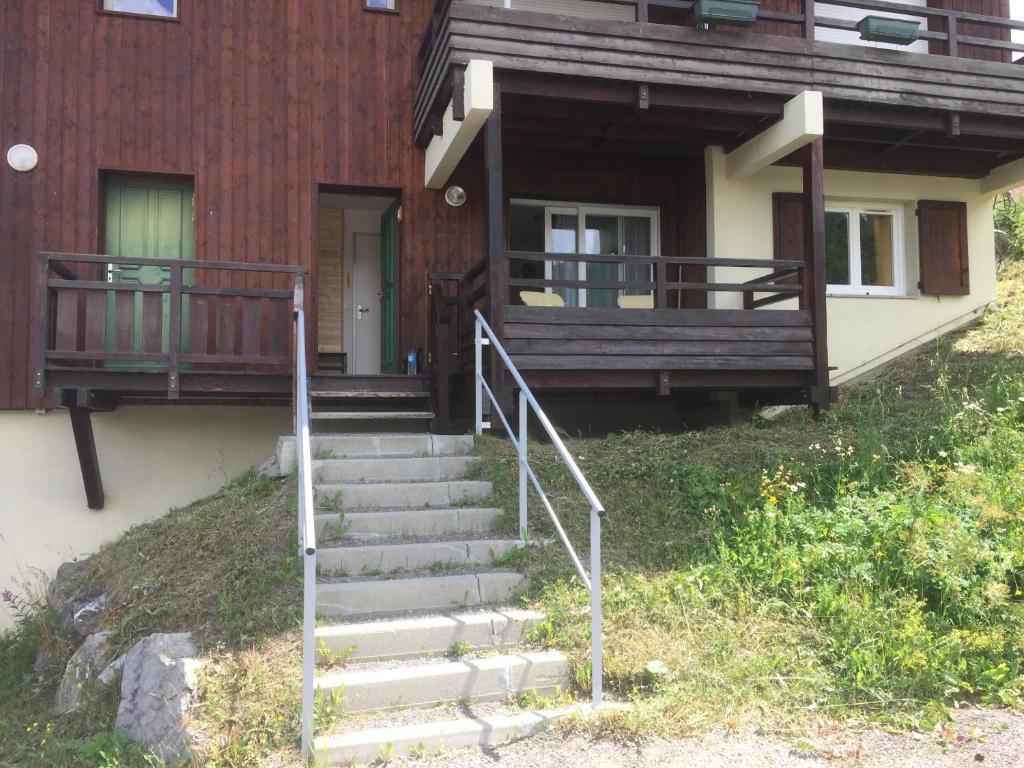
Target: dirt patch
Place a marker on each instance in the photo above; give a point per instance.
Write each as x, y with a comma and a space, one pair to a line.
991, 738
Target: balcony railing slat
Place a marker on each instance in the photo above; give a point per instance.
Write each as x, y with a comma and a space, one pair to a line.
120, 332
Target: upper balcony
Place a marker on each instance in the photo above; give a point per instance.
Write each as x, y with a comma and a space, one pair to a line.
958, 79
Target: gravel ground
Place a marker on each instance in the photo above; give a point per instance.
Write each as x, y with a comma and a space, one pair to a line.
991, 738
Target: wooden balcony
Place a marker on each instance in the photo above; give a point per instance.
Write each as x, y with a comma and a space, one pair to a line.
889, 109
780, 353
203, 330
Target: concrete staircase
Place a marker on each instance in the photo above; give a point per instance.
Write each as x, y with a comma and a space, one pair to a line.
413, 601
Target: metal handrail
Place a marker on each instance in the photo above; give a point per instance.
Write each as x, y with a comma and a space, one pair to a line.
526, 473
307, 524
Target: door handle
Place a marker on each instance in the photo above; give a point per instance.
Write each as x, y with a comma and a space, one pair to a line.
362, 310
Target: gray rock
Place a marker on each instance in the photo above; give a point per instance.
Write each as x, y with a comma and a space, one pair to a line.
87, 619
80, 678
66, 583
112, 672
157, 690
269, 468
68, 609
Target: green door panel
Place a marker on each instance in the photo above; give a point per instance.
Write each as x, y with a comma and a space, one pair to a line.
388, 289
148, 220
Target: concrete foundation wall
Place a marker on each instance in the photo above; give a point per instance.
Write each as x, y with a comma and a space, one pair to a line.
863, 331
152, 458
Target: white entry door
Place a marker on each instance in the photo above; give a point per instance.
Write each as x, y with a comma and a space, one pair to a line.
366, 297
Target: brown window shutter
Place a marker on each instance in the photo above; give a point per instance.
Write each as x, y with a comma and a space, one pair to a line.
790, 238
942, 243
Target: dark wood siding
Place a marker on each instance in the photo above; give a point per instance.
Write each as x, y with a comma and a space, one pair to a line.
258, 109
255, 106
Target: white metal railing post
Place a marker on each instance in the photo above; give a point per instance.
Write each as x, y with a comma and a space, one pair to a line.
523, 460
596, 661
478, 377
526, 399
307, 529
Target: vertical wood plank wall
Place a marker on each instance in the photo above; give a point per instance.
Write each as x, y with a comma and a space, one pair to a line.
257, 108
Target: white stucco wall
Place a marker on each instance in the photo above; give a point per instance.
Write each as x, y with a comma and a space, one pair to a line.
863, 332
151, 457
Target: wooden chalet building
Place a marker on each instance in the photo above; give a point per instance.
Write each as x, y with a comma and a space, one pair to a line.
641, 196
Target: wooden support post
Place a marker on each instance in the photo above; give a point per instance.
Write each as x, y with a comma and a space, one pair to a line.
43, 315
815, 278
85, 443
442, 372
497, 266
953, 35
174, 335
809, 19
642, 11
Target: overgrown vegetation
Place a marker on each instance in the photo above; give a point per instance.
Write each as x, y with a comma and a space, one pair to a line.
870, 565
1009, 224
224, 568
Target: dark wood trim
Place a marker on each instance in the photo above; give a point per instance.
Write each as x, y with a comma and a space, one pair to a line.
673, 58
815, 286
85, 444
497, 271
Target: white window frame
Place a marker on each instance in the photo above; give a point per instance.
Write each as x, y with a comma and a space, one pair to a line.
899, 262
174, 15
581, 211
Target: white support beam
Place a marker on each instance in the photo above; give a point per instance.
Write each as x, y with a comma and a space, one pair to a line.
445, 151
1003, 178
803, 121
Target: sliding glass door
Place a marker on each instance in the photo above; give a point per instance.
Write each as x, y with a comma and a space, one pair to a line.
594, 230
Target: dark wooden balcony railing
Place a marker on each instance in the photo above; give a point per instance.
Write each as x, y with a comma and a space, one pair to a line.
678, 341
947, 30
204, 321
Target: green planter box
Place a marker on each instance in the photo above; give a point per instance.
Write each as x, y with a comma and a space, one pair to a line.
879, 29
737, 13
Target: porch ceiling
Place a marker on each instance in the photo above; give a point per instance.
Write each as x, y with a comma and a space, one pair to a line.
608, 123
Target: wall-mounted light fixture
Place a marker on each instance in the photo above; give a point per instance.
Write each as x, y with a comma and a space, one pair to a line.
22, 158
455, 196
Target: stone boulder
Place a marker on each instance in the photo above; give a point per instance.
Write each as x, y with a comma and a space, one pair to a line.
88, 618
80, 606
158, 685
80, 678
67, 582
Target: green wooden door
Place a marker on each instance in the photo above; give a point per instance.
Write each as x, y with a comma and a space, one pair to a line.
148, 220
388, 290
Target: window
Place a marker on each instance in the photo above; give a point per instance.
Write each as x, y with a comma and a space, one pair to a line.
864, 250
163, 8
381, 5
601, 231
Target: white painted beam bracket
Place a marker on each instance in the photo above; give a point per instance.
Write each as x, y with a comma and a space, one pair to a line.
803, 121
445, 151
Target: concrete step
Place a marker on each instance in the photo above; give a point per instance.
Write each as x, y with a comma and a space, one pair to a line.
348, 599
418, 469
366, 394
381, 444
417, 523
350, 496
357, 560
370, 415
362, 747
420, 685
418, 636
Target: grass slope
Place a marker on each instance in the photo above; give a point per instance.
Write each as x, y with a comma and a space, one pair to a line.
869, 565
224, 568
